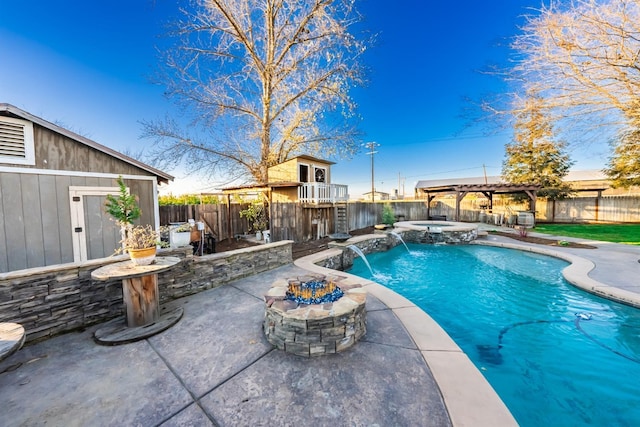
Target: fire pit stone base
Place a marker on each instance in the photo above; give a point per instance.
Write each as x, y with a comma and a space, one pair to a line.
314, 329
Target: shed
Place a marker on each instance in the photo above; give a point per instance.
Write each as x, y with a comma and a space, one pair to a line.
54, 184
301, 184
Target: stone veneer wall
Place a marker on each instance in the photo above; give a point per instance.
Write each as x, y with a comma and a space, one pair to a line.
447, 236
378, 242
315, 329
382, 241
55, 299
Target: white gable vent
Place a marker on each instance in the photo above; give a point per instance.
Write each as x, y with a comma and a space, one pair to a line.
16, 141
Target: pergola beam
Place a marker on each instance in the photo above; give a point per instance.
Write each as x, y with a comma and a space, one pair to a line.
461, 190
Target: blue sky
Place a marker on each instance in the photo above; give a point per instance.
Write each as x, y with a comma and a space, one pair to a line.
86, 66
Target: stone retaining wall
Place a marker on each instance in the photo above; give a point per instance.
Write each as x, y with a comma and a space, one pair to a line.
446, 236
55, 299
370, 243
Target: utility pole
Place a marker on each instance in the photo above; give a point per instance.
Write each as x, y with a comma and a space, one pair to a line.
371, 146
400, 184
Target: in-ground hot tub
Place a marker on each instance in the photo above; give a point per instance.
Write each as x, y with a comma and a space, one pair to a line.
314, 315
437, 231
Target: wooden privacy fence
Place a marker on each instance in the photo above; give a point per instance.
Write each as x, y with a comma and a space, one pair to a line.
221, 220
298, 222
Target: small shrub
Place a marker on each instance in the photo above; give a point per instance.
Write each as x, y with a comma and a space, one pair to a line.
522, 231
388, 216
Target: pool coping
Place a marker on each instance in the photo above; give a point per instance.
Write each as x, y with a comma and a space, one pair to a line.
469, 398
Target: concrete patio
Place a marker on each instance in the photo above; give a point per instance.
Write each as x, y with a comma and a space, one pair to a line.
215, 367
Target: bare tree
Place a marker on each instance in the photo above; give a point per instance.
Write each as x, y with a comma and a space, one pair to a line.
582, 57
261, 81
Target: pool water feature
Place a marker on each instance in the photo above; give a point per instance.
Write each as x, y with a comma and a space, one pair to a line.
556, 355
363, 257
399, 237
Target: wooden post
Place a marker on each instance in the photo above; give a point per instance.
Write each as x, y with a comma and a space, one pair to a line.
141, 300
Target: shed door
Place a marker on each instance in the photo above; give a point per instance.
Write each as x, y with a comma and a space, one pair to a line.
94, 233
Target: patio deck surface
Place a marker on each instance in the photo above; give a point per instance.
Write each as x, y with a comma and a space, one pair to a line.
215, 367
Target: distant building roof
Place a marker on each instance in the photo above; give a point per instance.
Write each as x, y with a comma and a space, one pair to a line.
586, 175
18, 113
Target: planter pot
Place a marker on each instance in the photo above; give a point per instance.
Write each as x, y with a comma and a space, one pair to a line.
258, 235
142, 256
180, 238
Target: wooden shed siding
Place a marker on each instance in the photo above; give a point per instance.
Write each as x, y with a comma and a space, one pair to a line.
289, 194
31, 210
35, 220
13, 219
64, 220
4, 262
288, 171
50, 223
58, 152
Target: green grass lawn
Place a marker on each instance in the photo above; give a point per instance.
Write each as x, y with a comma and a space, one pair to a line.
618, 233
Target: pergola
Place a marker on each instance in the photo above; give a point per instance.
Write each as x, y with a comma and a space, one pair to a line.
461, 190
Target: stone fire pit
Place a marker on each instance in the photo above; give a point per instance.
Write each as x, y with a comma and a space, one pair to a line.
314, 315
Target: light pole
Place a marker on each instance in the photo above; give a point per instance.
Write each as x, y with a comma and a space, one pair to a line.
371, 146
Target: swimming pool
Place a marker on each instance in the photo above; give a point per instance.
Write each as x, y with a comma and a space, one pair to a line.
556, 355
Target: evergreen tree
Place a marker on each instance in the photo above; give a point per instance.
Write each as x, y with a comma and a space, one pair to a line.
533, 157
624, 165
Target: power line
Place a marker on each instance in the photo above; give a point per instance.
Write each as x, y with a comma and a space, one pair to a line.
449, 138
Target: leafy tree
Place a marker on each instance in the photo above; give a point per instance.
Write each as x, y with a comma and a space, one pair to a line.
533, 157
581, 57
261, 82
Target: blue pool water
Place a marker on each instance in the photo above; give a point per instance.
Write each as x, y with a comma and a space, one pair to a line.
557, 356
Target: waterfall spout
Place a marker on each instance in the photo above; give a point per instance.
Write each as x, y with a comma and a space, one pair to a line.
399, 237
357, 250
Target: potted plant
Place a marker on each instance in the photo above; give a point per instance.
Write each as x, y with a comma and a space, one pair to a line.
255, 213
141, 242
181, 235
